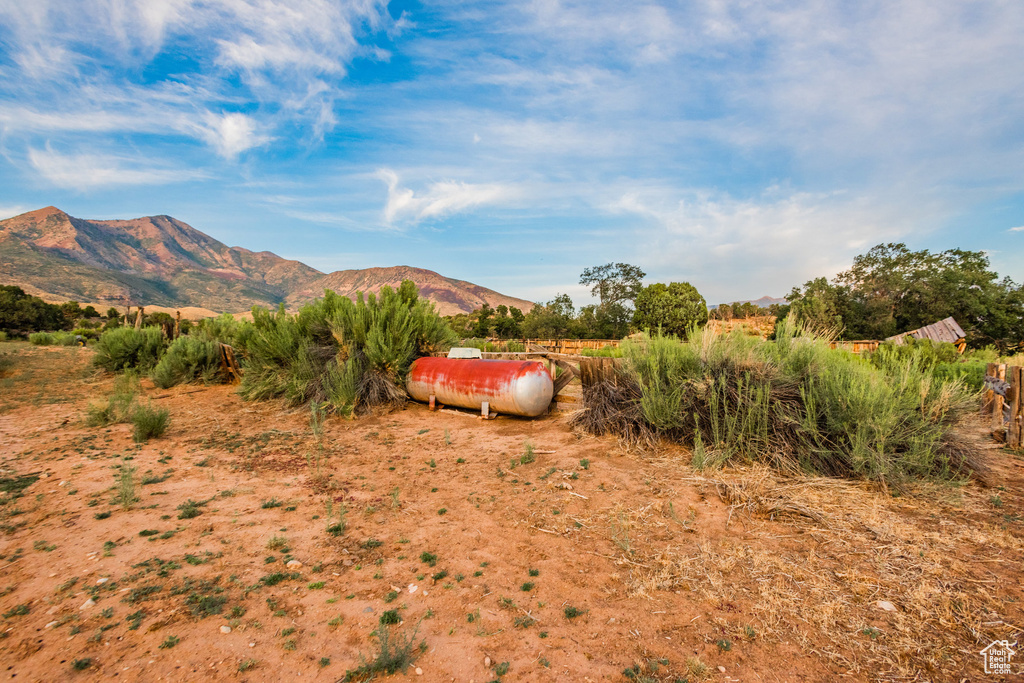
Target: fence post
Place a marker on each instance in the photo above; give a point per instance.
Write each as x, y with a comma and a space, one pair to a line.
1015, 375
990, 395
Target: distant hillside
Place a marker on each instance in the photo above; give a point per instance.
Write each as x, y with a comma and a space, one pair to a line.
159, 260
449, 295
763, 302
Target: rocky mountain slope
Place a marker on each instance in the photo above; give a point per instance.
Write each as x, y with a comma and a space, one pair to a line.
159, 260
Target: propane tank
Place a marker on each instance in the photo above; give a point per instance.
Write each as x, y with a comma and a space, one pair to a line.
512, 387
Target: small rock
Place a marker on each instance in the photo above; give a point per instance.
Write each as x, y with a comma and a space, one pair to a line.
102, 581
612, 620
721, 669
368, 610
419, 671
225, 629
294, 564
252, 644
886, 605
347, 562
487, 661
52, 624
88, 603
413, 588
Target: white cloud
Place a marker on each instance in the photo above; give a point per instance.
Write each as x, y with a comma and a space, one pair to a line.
778, 238
231, 134
78, 65
440, 198
12, 210
89, 171
1019, 228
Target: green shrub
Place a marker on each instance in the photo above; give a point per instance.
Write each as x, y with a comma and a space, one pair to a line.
86, 333
348, 355
41, 339
224, 329
796, 404
125, 347
188, 359
149, 423
121, 404
3, 336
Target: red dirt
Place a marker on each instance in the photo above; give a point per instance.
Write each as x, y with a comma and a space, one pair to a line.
594, 534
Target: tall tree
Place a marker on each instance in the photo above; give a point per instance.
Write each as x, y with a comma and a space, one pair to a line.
613, 283
673, 308
616, 285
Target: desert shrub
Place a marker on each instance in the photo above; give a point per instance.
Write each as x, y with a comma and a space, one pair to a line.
120, 406
92, 333
970, 372
507, 346
125, 347
224, 329
3, 336
188, 359
348, 355
149, 423
924, 352
41, 339
64, 339
791, 402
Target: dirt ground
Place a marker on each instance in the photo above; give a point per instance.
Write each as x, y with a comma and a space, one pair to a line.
510, 550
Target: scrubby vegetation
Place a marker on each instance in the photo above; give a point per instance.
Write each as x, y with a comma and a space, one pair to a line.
188, 359
52, 338
351, 356
149, 423
125, 347
791, 402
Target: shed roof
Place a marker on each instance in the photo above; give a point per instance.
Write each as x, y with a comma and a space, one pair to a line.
947, 330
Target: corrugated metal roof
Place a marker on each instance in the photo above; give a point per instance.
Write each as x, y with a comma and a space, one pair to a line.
947, 330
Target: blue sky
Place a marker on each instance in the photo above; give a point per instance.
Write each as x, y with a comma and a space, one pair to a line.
745, 147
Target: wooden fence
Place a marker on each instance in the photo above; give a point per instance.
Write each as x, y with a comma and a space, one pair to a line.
1007, 412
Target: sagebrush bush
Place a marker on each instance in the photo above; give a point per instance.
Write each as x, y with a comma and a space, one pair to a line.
149, 422
86, 333
41, 339
796, 404
348, 355
3, 336
125, 347
224, 329
188, 359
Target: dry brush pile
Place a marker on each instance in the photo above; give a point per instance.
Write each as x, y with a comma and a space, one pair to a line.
791, 402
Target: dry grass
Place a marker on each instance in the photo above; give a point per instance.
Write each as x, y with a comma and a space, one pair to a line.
614, 408
857, 546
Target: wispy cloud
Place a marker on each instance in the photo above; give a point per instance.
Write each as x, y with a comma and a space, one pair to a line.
1019, 228
440, 198
87, 171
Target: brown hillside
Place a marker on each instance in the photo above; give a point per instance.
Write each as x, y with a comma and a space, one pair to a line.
450, 296
161, 261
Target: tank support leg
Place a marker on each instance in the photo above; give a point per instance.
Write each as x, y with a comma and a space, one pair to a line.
433, 402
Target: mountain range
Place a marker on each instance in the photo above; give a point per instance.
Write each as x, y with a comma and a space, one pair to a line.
159, 260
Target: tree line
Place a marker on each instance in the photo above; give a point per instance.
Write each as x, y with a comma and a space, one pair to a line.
887, 291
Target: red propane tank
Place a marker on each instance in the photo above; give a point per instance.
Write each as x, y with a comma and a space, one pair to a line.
512, 387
